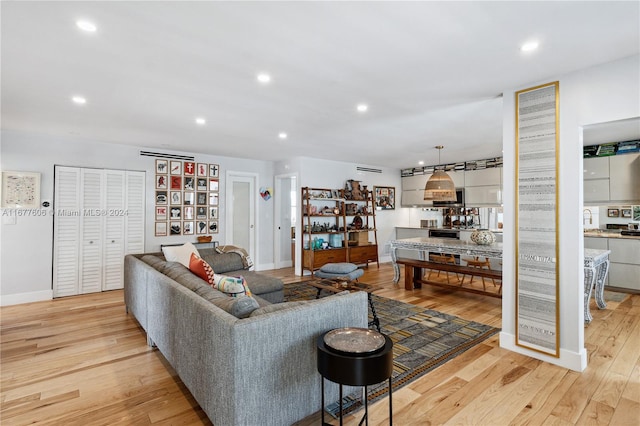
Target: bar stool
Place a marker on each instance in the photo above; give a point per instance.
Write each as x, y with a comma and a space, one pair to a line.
477, 263
443, 258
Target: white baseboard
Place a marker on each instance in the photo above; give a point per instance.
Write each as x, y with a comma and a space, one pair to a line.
576, 361
19, 298
264, 267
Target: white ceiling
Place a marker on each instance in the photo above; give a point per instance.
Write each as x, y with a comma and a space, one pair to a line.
431, 72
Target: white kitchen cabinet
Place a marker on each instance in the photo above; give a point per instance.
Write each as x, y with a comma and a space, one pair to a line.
414, 198
483, 177
99, 218
458, 177
623, 275
483, 188
414, 182
596, 168
596, 191
624, 178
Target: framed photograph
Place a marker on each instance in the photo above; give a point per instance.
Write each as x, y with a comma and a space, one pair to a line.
161, 229
213, 185
201, 227
175, 228
214, 170
613, 212
176, 198
201, 213
385, 197
203, 169
636, 212
189, 198
201, 198
176, 183
188, 213
176, 167
187, 228
21, 190
626, 213
213, 198
189, 169
189, 183
213, 227
161, 198
175, 212
213, 212
162, 167
161, 212
201, 184
161, 182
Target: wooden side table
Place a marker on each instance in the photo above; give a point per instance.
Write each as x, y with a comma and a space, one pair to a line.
355, 369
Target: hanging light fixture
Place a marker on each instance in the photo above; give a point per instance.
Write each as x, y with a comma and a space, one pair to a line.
440, 187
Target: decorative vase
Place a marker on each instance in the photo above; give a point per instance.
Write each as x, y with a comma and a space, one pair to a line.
483, 237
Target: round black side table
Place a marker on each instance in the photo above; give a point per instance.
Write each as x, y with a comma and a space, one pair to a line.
355, 369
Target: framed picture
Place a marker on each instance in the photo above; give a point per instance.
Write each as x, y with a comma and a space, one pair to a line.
21, 190
201, 184
175, 228
176, 167
161, 167
187, 228
161, 182
161, 197
613, 212
201, 227
189, 183
202, 169
189, 198
213, 212
213, 227
214, 170
213, 185
176, 198
201, 213
636, 212
161, 229
213, 198
161, 212
189, 169
385, 197
176, 183
175, 212
188, 213
201, 198
626, 213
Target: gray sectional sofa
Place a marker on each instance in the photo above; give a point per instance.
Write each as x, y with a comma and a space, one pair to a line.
258, 370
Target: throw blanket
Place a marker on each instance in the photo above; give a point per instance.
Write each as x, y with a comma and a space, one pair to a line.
246, 260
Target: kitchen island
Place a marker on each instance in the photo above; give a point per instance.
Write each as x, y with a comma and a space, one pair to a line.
596, 266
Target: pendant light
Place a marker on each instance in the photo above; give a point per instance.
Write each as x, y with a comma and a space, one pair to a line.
440, 187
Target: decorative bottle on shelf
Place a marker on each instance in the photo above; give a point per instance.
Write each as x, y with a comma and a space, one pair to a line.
483, 237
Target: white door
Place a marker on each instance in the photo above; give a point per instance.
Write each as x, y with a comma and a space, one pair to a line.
114, 211
241, 196
91, 234
134, 220
286, 209
66, 231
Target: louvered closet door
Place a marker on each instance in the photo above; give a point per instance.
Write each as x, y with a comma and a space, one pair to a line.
91, 193
66, 231
134, 220
114, 236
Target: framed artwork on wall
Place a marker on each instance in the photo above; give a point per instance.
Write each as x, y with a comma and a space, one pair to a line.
201, 227
161, 197
21, 190
213, 198
201, 213
213, 227
176, 198
187, 228
214, 170
213, 185
213, 213
161, 212
189, 198
175, 212
626, 213
201, 184
385, 197
203, 169
175, 228
161, 167
176, 168
161, 182
613, 212
161, 229
189, 168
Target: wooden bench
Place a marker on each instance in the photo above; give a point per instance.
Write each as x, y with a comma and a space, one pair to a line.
413, 275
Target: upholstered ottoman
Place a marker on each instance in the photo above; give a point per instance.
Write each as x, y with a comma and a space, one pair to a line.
345, 271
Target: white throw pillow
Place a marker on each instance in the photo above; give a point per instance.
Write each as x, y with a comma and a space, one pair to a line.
180, 254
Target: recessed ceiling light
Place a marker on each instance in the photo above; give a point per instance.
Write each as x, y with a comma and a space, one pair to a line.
87, 26
421, 163
529, 46
362, 107
264, 78
79, 100
201, 121
283, 135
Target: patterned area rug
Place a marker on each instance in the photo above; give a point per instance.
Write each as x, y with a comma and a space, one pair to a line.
423, 339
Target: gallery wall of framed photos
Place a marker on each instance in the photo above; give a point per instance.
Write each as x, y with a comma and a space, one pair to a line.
187, 198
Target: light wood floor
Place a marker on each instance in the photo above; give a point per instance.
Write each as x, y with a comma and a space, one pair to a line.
83, 361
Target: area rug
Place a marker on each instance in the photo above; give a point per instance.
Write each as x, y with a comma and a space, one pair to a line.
423, 339
614, 296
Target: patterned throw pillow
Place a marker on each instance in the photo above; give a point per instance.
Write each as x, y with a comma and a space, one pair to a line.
201, 268
232, 286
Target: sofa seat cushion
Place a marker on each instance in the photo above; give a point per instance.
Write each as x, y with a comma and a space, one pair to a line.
259, 283
275, 307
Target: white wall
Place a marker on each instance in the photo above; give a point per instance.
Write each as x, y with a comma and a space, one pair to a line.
599, 94
26, 247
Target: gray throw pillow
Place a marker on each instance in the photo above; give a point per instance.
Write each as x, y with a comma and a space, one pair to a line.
239, 307
339, 268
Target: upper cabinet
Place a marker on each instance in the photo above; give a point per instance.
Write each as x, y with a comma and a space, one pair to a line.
612, 179
413, 191
483, 188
